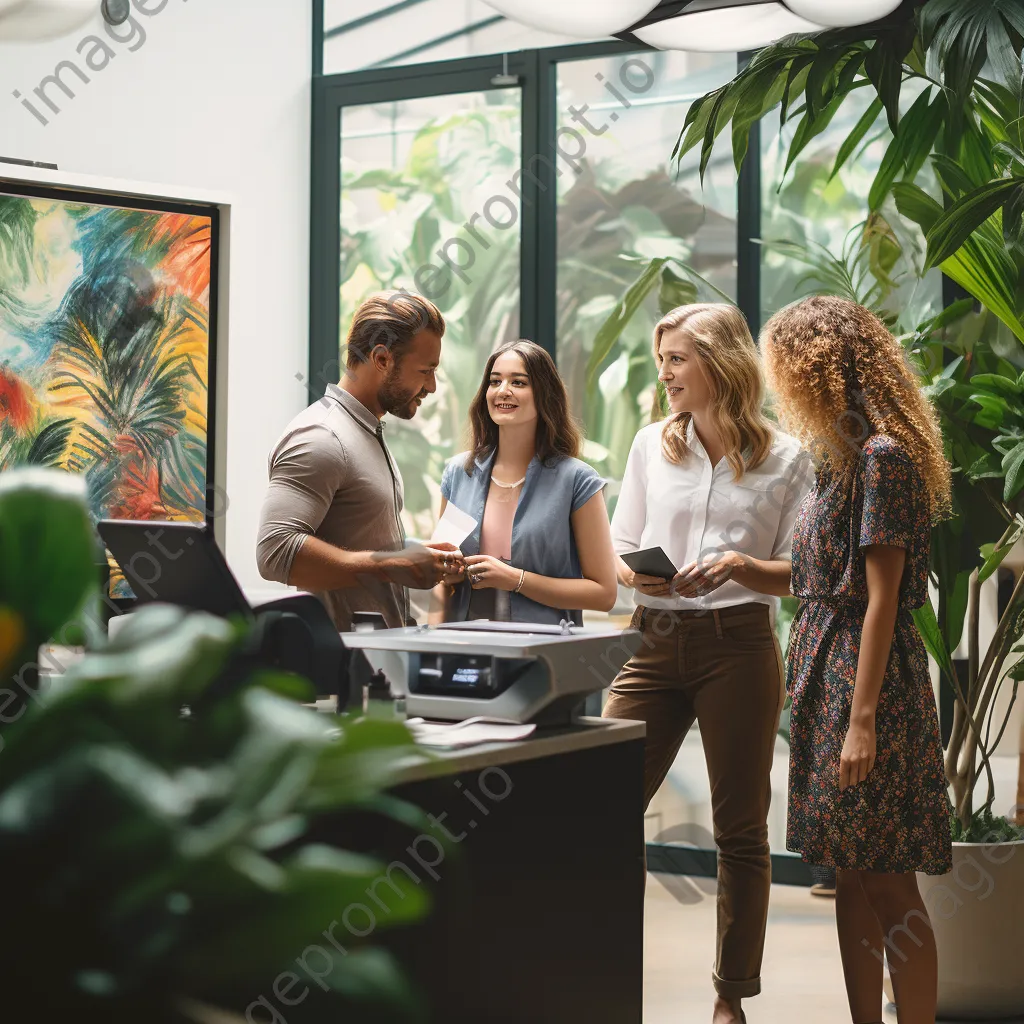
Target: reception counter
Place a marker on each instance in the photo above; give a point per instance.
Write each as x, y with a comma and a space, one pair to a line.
534, 861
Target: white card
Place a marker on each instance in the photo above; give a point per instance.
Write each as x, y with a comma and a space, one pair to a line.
453, 527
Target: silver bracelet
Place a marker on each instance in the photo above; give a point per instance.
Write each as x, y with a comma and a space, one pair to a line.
519, 585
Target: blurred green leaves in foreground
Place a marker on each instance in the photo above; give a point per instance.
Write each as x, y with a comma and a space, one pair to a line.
151, 860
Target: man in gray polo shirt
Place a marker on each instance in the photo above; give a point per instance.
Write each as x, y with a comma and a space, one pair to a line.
331, 522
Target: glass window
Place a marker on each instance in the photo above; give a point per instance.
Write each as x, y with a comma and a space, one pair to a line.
426, 206
825, 216
624, 203
628, 204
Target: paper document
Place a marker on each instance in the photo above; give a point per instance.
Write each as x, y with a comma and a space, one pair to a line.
491, 626
453, 527
468, 733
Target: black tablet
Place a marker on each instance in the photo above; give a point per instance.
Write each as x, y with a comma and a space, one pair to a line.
650, 562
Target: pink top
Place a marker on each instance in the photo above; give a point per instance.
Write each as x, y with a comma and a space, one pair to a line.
496, 528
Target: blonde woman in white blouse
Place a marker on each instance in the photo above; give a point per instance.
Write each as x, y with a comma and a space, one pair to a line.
718, 488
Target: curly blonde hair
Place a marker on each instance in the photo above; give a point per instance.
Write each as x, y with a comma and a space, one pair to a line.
840, 378
728, 357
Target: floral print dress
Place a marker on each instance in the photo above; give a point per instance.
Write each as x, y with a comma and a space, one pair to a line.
896, 820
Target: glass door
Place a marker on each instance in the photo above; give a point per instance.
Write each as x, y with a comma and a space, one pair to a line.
424, 196
428, 205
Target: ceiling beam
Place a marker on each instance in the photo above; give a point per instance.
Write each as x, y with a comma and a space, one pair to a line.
369, 19
477, 26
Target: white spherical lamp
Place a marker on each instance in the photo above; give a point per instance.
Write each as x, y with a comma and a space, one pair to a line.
842, 13
587, 19
726, 29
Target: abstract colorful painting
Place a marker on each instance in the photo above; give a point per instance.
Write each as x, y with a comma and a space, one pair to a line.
105, 348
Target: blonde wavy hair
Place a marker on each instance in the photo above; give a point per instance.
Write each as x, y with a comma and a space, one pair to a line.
840, 378
727, 355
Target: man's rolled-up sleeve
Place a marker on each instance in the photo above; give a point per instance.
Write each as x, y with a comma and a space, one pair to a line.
307, 470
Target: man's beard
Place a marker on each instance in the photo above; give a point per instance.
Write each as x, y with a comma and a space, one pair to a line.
397, 400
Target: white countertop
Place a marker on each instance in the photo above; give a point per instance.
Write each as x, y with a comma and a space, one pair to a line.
586, 734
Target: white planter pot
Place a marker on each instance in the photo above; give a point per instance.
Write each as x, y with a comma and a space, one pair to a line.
977, 913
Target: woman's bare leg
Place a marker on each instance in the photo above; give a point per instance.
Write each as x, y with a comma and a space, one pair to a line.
727, 1011
861, 948
909, 943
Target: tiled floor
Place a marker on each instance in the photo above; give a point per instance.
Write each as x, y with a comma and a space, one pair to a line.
802, 977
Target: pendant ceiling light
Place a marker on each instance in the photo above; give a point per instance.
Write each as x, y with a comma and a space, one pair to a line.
27, 20
842, 15
717, 26
727, 29
587, 19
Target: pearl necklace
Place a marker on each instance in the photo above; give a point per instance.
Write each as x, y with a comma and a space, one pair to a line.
509, 488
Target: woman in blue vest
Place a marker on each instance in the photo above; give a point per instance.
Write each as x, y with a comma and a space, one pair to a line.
541, 550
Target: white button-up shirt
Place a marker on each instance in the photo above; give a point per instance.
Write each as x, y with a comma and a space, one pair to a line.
695, 510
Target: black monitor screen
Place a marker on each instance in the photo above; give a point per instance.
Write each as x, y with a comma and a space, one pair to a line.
177, 563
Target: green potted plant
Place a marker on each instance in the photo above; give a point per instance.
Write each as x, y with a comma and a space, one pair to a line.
154, 865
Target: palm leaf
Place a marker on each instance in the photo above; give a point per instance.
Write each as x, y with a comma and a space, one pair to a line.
853, 140
613, 327
980, 266
964, 36
49, 445
966, 215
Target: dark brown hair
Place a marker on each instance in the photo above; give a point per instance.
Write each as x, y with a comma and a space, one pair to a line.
391, 319
558, 436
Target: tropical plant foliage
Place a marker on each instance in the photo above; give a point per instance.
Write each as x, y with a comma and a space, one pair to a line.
153, 862
962, 130
104, 348
610, 230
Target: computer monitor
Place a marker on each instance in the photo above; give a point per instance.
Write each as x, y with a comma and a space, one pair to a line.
180, 564
176, 563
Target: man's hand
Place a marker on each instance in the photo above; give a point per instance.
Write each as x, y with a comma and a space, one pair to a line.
423, 566
453, 564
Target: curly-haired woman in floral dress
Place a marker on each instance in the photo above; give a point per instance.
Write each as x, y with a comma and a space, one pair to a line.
866, 789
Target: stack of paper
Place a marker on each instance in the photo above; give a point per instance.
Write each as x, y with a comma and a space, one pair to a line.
468, 733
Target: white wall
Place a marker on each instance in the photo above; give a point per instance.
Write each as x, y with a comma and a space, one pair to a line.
216, 98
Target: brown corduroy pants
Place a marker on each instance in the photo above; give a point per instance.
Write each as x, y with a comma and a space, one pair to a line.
723, 669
